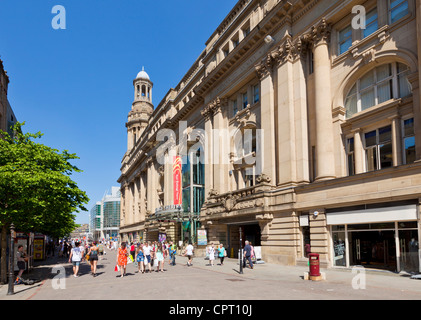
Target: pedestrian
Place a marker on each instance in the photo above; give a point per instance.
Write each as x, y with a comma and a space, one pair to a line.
140, 258
122, 258
93, 258
160, 258
211, 254
147, 254
173, 251
189, 254
21, 262
252, 256
221, 253
247, 255
76, 257
101, 248
132, 250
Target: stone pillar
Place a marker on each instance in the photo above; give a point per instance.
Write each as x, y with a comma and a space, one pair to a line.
324, 126
142, 196
220, 151
286, 153
396, 141
149, 187
136, 203
416, 86
358, 152
208, 146
301, 120
126, 203
266, 148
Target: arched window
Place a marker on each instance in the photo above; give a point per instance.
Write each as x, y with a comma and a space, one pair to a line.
143, 91
388, 81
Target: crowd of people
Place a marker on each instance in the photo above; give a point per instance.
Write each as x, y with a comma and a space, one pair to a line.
147, 257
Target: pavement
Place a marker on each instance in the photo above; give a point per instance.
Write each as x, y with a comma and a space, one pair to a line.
204, 282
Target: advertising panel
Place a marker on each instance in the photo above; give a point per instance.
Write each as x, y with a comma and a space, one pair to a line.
177, 180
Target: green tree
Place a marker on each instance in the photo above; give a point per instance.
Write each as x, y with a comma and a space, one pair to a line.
36, 190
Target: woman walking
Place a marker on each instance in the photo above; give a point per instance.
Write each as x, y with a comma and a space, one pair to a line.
160, 258
221, 253
140, 258
76, 256
93, 258
122, 259
211, 254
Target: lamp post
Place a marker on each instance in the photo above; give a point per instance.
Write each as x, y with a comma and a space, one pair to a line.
241, 251
11, 261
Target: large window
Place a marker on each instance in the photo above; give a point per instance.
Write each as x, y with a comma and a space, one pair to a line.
378, 149
381, 84
409, 140
350, 156
345, 39
398, 9
371, 23
193, 180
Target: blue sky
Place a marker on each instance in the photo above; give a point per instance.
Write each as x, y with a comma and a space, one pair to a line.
75, 85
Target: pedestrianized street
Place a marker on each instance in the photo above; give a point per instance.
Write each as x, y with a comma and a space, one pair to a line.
203, 282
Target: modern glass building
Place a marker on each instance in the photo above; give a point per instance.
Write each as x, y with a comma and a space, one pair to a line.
105, 216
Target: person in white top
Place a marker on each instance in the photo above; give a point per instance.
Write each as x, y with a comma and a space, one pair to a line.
211, 251
76, 255
147, 254
189, 254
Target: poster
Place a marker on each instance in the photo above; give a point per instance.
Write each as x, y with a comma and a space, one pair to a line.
177, 180
202, 239
39, 249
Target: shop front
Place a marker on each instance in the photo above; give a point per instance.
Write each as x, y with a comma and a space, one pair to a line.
376, 237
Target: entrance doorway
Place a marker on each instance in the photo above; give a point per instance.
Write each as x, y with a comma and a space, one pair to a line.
373, 249
250, 232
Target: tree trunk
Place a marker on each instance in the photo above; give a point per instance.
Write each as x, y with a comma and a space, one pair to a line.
3, 267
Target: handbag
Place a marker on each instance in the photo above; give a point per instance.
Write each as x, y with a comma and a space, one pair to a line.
117, 268
129, 259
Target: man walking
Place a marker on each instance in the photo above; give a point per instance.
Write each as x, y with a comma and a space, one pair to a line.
247, 255
76, 255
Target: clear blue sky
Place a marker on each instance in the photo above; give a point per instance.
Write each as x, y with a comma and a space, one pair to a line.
75, 85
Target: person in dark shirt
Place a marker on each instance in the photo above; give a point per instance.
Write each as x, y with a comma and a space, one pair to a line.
247, 255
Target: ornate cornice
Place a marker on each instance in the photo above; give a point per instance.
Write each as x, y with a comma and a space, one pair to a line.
213, 108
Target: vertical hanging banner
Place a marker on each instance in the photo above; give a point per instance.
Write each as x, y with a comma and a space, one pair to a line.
177, 180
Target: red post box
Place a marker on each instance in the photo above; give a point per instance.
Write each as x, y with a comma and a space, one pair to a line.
314, 265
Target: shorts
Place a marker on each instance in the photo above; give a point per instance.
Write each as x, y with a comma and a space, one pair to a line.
76, 263
21, 265
93, 258
148, 258
189, 257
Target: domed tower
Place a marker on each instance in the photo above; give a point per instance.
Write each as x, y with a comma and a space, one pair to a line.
142, 108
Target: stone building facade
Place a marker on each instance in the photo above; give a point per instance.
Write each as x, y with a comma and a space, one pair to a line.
303, 131
7, 117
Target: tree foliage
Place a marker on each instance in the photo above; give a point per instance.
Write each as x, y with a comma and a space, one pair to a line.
36, 189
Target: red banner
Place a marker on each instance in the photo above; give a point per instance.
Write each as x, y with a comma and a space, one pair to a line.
177, 180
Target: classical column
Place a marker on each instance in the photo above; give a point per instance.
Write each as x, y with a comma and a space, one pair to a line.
416, 87
358, 151
142, 196
301, 116
149, 187
324, 127
220, 151
208, 145
266, 147
396, 141
286, 153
